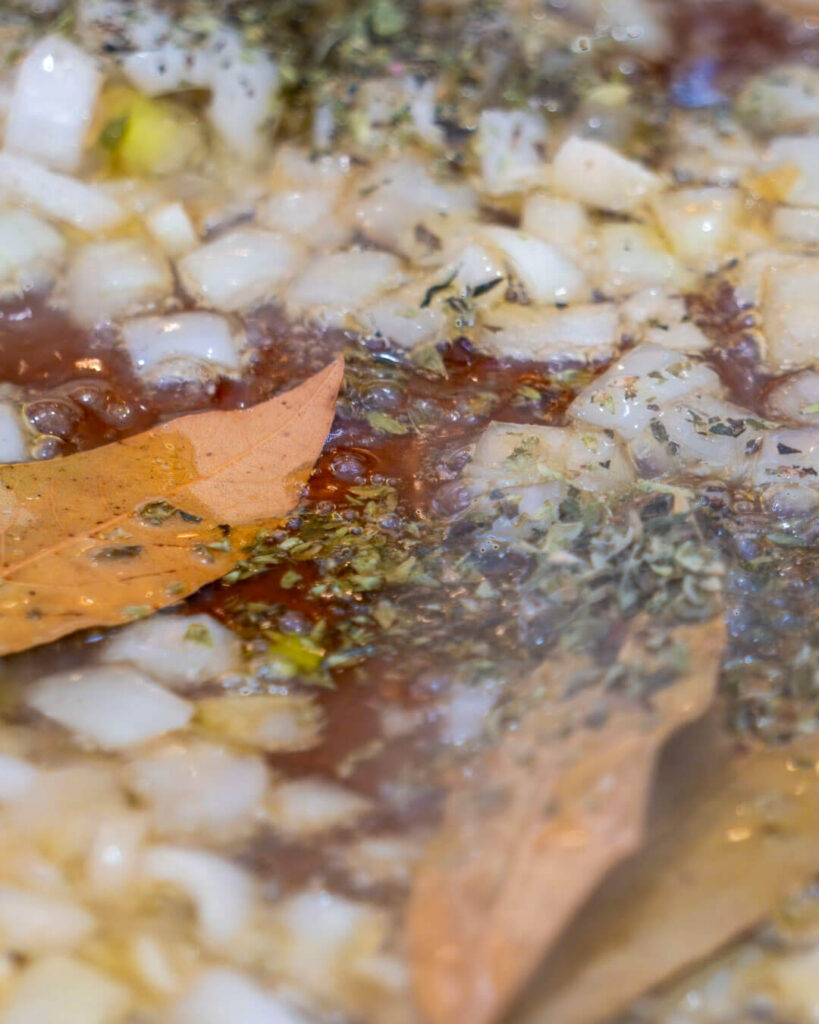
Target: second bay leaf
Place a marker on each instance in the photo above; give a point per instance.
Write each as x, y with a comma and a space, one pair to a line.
543, 816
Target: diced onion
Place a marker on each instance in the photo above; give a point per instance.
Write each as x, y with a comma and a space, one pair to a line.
221, 893
632, 257
112, 862
399, 318
239, 269
53, 103
340, 283
529, 332
599, 176
627, 395
178, 650
306, 213
561, 222
546, 274
33, 923
788, 457
700, 225
112, 706
108, 280
306, 807
785, 98
242, 96
509, 455
323, 936
61, 990
199, 788
30, 249
463, 716
790, 308
16, 776
796, 158
400, 195
171, 228
84, 206
13, 446
511, 146
182, 346
381, 859
270, 721
795, 399
700, 433
221, 995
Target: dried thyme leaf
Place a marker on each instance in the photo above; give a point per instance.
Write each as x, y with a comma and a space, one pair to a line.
198, 633
384, 423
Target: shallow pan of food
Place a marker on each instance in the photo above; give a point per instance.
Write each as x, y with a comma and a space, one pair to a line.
409, 512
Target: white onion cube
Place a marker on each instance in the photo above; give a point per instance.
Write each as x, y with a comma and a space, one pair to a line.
632, 257
599, 176
171, 228
545, 273
112, 706
511, 147
532, 332
270, 721
53, 103
509, 455
200, 788
700, 224
108, 280
223, 996
561, 222
799, 154
324, 936
16, 776
239, 269
86, 206
13, 447
29, 247
795, 399
33, 923
221, 893
790, 308
632, 390
342, 282
788, 457
306, 807
179, 650
179, 347
243, 90
61, 990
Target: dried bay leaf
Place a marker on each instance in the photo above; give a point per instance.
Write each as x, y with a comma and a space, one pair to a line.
734, 833
544, 815
115, 533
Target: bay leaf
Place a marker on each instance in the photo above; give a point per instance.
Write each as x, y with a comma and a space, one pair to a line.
734, 833
115, 533
535, 825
